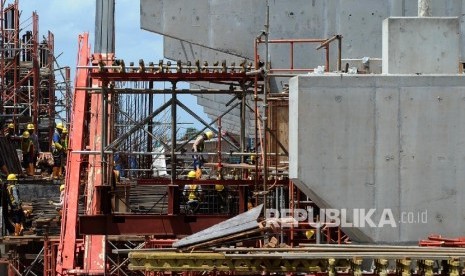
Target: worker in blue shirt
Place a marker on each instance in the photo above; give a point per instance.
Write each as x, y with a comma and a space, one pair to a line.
57, 152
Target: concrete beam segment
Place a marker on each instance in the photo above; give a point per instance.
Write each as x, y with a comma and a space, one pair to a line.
426, 45
231, 26
386, 143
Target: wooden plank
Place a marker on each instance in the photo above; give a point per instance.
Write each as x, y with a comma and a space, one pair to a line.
240, 223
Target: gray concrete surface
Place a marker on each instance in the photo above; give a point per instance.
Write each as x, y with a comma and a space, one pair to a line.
384, 142
230, 26
423, 45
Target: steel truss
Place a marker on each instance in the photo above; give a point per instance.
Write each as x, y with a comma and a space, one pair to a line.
114, 115
27, 73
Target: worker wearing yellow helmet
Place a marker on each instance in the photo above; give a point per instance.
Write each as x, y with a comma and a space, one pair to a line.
198, 146
62, 197
191, 175
27, 148
15, 212
35, 141
57, 152
192, 192
64, 143
11, 136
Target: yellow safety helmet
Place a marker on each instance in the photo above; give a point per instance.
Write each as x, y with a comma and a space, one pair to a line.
191, 175
62, 187
26, 134
11, 125
60, 126
12, 177
219, 188
30, 127
209, 134
65, 130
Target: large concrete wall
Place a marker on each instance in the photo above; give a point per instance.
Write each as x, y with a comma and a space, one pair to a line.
230, 26
381, 142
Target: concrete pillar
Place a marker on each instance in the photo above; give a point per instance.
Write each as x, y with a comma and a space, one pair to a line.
424, 8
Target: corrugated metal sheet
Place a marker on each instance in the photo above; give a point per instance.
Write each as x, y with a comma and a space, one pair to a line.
9, 156
240, 223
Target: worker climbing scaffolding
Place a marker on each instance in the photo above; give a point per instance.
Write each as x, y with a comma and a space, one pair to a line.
198, 147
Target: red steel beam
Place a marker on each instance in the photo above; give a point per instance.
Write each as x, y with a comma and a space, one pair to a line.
35, 70
95, 245
67, 249
159, 225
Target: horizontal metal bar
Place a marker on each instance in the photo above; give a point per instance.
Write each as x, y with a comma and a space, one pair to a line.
163, 91
302, 40
224, 154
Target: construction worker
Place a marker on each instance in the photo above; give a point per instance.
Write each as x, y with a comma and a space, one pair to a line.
57, 152
198, 146
64, 143
27, 147
59, 205
10, 132
222, 198
11, 136
35, 141
192, 192
15, 212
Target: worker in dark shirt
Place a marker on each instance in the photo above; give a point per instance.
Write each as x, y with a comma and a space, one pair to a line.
15, 212
12, 137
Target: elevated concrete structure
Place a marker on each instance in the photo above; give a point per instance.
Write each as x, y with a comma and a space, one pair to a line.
423, 45
225, 29
382, 142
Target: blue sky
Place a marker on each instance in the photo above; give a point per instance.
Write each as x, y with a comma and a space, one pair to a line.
68, 18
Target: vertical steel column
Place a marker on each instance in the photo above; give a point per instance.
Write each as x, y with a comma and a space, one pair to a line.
51, 88
149, 159
2, 57
327, 57
265, 106
173, 206
243, 125
219, 147
173, 133
94, 245
15, 52
35, 69
66, 257
339, 53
